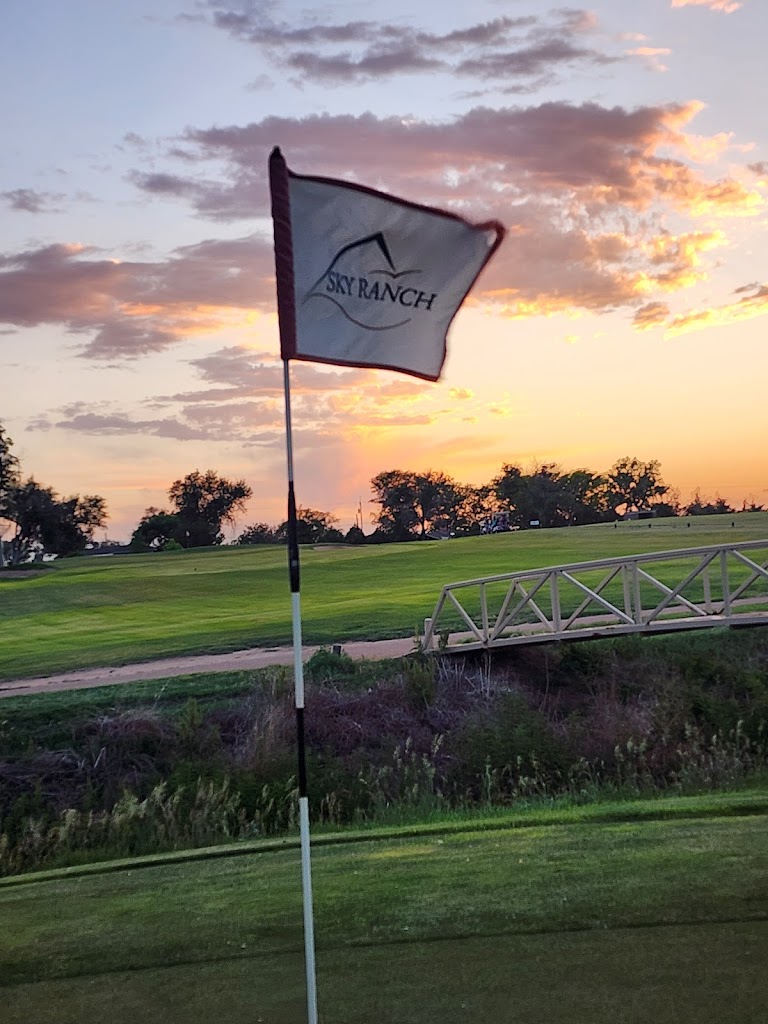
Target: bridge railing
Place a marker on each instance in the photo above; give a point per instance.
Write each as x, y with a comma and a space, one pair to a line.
655, 592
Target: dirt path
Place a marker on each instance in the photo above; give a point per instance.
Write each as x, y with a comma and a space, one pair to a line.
257, 657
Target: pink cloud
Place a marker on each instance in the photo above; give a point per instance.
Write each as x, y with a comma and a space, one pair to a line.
726, 6
131, 308
583, 190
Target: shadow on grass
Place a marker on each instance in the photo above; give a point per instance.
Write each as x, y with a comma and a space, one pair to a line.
689, 974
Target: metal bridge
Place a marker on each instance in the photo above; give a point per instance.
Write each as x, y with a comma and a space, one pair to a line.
659, 592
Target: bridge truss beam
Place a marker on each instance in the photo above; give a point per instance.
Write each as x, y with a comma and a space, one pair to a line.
658, 592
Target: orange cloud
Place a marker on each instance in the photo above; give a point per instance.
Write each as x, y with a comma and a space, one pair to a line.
652, 314
651, 54
705, 149
747, 308
679, 255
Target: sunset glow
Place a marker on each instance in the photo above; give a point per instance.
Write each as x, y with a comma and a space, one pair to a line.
624, 147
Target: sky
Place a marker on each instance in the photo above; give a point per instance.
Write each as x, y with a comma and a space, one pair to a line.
624, 146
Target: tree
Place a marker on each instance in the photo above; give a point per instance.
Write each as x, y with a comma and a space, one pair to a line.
439, 502
393, 492
43, 522
415, 502
9, 479
156, 529
90, 513
707, 507
203, 501
508, 489
551, 497
9, 464
542, 497
669, 505
40, 519
258, 533
312, 527
750, 504
474, 506
585, 497
635, 485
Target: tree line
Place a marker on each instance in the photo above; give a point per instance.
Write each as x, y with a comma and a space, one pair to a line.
412, 505
408, 506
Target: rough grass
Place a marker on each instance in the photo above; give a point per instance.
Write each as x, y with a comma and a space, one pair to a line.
110, 611
579, 923
182, 763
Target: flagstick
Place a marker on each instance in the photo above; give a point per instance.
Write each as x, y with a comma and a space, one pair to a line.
298, 669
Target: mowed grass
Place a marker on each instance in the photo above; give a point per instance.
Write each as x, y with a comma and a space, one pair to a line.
110, 611
577, 921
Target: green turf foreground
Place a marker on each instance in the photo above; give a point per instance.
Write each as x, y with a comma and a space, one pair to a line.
705, 974
664, 921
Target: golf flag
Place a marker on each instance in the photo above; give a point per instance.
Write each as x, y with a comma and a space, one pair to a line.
363, 279
366, 279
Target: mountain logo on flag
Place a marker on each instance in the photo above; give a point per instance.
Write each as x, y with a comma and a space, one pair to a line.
369, 295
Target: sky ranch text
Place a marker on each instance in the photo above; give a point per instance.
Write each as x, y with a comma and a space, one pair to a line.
362, 288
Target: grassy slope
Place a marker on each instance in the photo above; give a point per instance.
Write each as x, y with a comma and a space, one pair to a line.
112, 611
577, 923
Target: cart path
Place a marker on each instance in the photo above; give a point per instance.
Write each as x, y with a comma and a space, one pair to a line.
257, 657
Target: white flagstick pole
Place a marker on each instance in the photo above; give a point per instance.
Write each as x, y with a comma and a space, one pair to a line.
286, 311
298, 669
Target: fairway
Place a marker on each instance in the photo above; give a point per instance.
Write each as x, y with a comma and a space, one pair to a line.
579, 922
111, 611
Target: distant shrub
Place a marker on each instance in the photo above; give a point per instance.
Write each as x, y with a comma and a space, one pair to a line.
326, 665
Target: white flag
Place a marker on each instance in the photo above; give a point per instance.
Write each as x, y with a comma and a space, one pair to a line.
366, 279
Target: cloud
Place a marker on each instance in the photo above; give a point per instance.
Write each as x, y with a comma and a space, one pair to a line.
242, 402
726, 6
530, 61
120, 425
486, 159
652, 314
753, 303
585, 191
130, 308
246, 372
651, 55
27, 200
504, 48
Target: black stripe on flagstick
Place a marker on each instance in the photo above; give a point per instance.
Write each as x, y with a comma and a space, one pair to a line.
302, 752
293, 541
